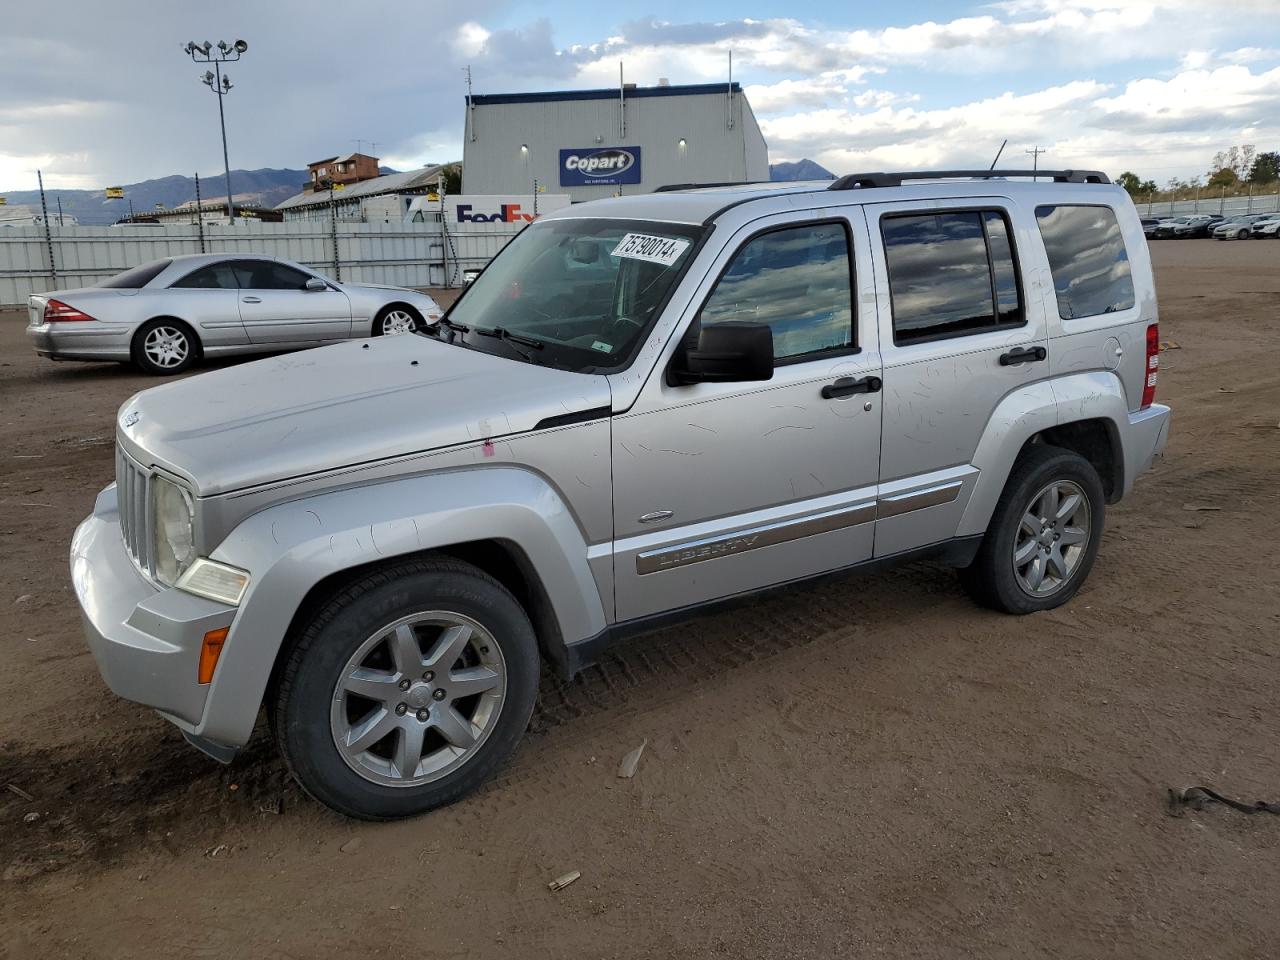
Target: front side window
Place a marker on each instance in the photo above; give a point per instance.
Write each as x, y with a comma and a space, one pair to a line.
215, 276
795, 280
951, 274
1088, 260
579, 294
269, 275
138, 277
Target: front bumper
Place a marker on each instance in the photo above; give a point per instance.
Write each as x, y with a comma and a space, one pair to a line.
145, 638
87, 340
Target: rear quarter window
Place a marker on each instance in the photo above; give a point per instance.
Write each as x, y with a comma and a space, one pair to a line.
1088, 259
138, 277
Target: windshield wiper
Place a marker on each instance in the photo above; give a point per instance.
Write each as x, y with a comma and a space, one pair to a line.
502, 333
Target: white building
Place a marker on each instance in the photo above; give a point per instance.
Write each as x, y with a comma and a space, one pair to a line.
599, 143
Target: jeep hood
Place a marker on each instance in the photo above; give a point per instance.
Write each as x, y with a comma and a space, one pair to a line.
336, 406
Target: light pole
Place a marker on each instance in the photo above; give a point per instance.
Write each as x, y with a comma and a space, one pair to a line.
220, 84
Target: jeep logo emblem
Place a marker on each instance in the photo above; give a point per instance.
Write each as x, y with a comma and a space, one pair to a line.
602, 163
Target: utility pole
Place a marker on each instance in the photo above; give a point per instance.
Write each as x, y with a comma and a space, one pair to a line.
471, 107
48, 236
199, 214
1035, 159
220, 84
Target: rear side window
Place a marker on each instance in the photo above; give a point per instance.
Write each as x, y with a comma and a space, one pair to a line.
138, 277
215, 276
951, 274
796, 280
1087, 257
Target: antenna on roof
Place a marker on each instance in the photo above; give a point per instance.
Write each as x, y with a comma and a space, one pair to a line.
998, 152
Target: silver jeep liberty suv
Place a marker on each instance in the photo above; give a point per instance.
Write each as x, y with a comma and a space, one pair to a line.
644, 406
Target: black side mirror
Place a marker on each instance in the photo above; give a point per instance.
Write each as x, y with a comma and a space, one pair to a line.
726, 353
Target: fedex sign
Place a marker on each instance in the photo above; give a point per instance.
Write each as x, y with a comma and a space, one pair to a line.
506, 213
516, 209
605, 166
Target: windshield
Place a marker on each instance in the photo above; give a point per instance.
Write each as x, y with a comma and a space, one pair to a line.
575, 294
138, 277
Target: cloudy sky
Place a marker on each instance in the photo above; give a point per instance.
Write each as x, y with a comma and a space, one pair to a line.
96, 93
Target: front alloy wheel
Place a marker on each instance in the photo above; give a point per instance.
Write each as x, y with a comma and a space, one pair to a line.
397, 320
406, 690
418, 698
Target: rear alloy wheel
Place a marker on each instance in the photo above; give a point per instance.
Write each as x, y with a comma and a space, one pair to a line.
1043, 536
395, 320
407, 690
164, 347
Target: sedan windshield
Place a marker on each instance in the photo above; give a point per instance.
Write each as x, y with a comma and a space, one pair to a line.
575, 294
138, 277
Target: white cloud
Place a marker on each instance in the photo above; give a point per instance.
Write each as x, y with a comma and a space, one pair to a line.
471, 38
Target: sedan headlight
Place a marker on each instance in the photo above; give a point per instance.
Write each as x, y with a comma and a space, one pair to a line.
173, 514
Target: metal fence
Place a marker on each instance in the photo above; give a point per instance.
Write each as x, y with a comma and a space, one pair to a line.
1226, 206
36, 258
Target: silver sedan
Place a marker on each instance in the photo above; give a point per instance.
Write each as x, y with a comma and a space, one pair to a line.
165, 315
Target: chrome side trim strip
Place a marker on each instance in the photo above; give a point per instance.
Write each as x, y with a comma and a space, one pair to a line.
740, 541
919, 499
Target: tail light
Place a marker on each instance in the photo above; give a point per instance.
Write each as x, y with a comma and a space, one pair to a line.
1153, 365
58, 312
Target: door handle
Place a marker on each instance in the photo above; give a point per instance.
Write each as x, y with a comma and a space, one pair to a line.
847, 386
250, 299
1029, 355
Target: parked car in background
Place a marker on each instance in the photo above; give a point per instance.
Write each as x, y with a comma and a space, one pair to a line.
1267, 228
1236, 228
1164, 229
164, 315
1196, 227
1149, 225
383, 545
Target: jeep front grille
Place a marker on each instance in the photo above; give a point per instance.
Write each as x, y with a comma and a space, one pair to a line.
132, 488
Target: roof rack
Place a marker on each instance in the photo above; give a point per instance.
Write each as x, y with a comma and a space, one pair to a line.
861, 181
674, 187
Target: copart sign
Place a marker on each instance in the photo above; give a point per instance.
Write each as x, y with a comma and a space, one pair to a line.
599, 165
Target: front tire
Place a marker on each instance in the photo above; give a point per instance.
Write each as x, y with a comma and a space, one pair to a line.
163, 347
407, 690
1043, 536
396, 318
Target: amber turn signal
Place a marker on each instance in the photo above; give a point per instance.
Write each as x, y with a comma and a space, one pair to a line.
210, 650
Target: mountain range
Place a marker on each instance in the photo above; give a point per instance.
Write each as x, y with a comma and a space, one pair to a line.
799, 170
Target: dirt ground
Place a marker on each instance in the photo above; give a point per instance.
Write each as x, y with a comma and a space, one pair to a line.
870, 768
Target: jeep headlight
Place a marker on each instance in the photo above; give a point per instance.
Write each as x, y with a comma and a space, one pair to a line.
173, 521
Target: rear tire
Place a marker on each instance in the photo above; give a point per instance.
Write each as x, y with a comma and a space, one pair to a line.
163, 347
407, 690
1043, 536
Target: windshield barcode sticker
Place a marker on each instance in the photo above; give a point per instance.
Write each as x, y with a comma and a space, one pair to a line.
642, 246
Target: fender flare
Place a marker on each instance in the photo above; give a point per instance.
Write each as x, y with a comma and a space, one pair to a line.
290, 547
1030, 410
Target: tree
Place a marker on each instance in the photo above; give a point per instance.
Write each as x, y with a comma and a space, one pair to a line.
1135, 186
1266, 168
1224, 177
1236, 159
1129, 180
